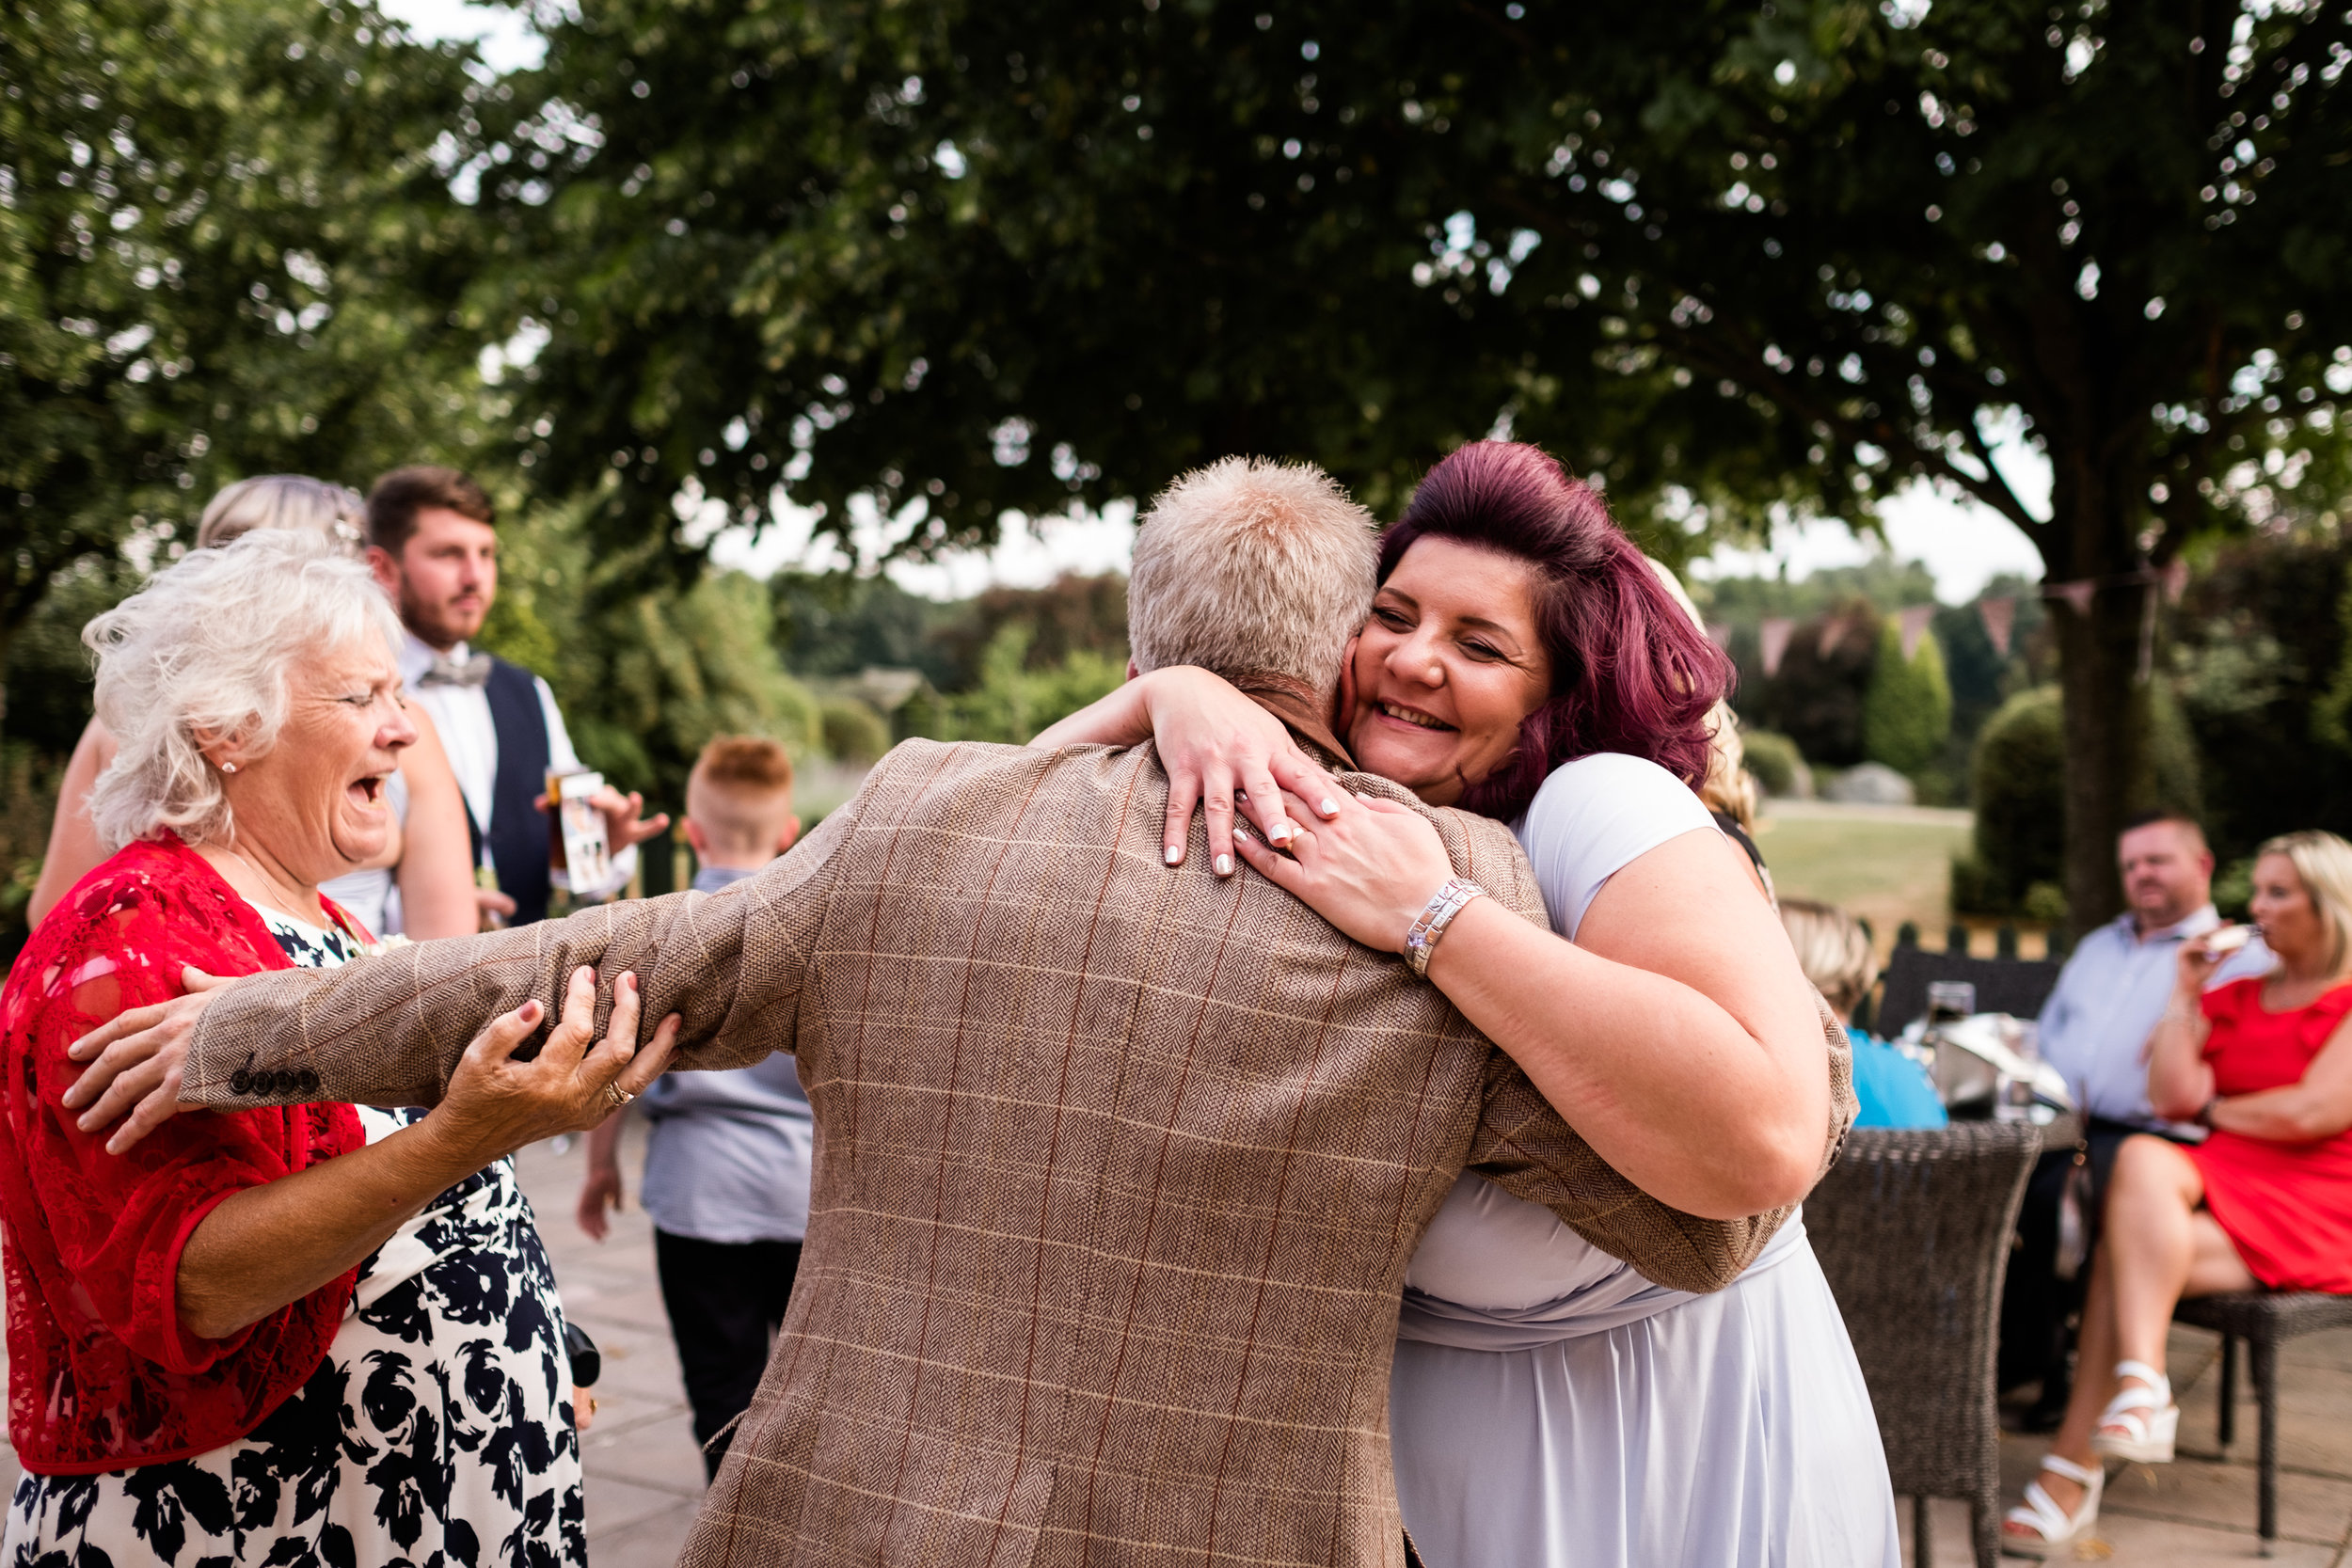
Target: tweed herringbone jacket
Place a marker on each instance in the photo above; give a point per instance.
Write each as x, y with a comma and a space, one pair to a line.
1118, 1166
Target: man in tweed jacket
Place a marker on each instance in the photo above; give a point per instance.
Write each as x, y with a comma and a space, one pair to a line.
1120, 1165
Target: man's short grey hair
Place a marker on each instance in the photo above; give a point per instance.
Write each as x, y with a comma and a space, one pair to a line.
1251, 567
207, 646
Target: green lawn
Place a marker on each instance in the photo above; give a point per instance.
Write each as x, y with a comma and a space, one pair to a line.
1886, 864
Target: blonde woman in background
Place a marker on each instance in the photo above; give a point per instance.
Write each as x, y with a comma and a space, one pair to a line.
2263, 1203
428, 858
1834, 951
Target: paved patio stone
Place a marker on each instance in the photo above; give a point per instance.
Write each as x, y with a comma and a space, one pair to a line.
2201, 1509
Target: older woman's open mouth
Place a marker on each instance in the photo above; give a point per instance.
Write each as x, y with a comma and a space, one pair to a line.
367, 790
1412, 716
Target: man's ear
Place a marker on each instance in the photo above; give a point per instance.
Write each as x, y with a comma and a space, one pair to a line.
791, 832
387, 570
1133, 674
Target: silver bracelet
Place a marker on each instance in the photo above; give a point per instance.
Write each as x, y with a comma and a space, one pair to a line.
1421, 939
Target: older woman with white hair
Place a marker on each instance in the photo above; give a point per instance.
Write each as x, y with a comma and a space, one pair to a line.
319, 1333
2263, 1203
428, 859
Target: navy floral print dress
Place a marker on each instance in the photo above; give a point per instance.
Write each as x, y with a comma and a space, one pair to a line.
437, 1433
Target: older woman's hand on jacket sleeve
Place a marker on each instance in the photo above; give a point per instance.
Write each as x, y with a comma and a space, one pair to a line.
271, 1245
497, 1103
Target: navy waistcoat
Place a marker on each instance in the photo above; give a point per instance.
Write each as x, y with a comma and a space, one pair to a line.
517, 832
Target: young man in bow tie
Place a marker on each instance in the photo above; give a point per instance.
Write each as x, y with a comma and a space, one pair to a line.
433, 542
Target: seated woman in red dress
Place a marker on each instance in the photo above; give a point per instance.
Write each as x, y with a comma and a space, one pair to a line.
312, 1333
2265, 1203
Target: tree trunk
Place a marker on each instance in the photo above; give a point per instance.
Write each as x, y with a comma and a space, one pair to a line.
2107, 773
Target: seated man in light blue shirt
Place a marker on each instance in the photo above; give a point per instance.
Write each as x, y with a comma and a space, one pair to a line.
2095, 1029
728, 1159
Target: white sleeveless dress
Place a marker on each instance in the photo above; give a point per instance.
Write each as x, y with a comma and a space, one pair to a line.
1551, 1408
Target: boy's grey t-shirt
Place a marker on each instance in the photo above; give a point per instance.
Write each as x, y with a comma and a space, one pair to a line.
728, 1159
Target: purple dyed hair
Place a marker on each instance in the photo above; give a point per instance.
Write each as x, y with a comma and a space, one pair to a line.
1629, 672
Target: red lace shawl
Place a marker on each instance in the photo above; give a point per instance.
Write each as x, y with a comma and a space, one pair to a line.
101, 1376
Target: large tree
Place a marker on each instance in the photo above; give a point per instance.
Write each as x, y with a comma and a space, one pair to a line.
955, 257
227, 247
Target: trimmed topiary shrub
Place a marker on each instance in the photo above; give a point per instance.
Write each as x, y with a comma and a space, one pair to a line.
1775, 761
1907, 708
854, 732
2020, 778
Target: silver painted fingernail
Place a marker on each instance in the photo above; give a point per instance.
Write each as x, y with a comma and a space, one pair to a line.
1174, 852
1329, 806
1225, 865
1279, 833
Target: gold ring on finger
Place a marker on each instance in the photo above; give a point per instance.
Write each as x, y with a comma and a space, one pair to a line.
617, 1095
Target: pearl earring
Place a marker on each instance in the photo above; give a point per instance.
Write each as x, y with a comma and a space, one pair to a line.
229, 768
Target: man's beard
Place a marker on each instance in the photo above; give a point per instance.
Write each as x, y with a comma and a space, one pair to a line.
425, 619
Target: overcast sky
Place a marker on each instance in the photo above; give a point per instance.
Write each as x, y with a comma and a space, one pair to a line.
1962, 546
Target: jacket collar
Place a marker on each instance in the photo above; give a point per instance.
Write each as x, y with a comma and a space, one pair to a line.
1291, 702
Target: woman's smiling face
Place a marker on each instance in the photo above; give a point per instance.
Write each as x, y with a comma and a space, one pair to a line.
1448, 666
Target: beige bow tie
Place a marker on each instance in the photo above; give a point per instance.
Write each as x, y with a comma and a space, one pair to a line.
473, 669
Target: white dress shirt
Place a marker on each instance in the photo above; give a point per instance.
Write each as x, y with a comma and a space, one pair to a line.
462, 715
2096, 1026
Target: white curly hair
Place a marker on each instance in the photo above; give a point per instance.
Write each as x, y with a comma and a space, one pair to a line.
207, 646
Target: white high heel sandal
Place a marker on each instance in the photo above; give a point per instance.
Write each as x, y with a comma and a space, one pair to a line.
2058, 1530
2148, 1418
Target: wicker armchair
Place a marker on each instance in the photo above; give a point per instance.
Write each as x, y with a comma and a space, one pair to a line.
2014, 985
1912, 1229
2264, 1321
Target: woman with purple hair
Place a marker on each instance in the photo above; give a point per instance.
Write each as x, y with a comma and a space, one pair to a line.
1549, 1405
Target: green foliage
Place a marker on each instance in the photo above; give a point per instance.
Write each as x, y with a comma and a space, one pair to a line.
1013, 702
1816, 699
1889, 584
834, 625
2261, 645
2046, 903
1070, 615
49, 671
227, 247
2175, 781
1725, 259
2019, 782
1981, 676
2233, 888
645, 671
854, 732
1773, 758
915, 249
1907, 709
29, 802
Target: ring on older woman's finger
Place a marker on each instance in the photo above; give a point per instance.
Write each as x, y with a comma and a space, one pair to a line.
617, 1095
